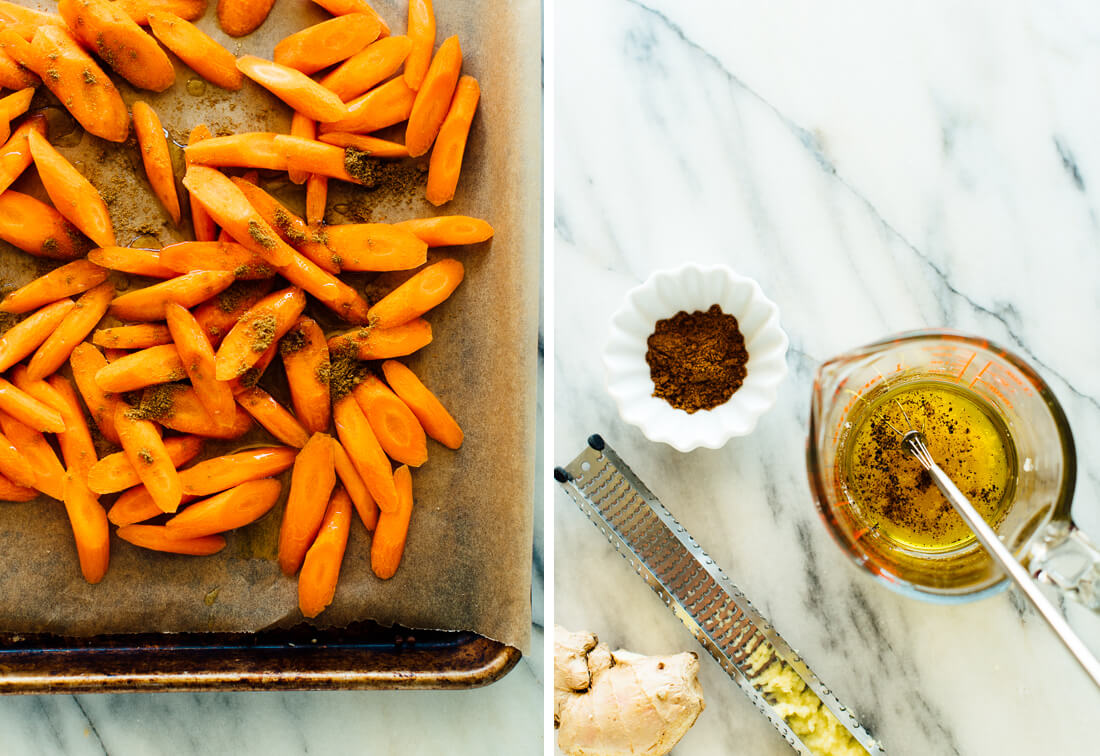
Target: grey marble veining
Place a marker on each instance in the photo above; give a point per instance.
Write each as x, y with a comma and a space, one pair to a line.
877, 168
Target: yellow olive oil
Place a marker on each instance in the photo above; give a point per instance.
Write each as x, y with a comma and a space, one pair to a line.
890, 491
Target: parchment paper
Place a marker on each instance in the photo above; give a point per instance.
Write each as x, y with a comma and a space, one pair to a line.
467, 564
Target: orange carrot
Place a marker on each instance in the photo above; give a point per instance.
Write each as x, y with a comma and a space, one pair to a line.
344, 7
422, 34
328, 42
222, 473
201, 222
71, 193
316, 198
251, 377
306, 128
321, 565
113, 355
122, 44
355, 487
10, 491
148, 456
297, 90
311, 156
434, 97
115, 472
235, 508
219, 314
27, 335
240, 17
80, 321
13, 465
327, 288
86, 361
264, 324
395, 426
139, 10
74, 278
383, 343
431, 413
13, 14
15, 155
188, 290
49, 475
13, 106
305, 358
448, 230
366, 454
388, 543
140, 262
311, 483
375, 247
290, 228
137, 505
385, 105
15, 76
146, 367
197, 357
251, 149
89, 523
367, 68
38, 229
272, 416
426, 289
140, 336
77, 447
245, 264
157, 538
368, 145
25, 408
154, 155
446, 160
194, 47
177, 406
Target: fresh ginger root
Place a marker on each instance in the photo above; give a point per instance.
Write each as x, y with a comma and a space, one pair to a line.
617, 703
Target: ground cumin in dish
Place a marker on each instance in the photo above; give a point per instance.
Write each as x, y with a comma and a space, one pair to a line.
697, 360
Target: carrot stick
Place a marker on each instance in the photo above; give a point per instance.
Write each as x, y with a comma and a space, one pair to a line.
89, 523
222, 473
366, 454
121, 43
375, 246
139, 10
139, 262
74, 278
260, 327
316, 199
395, 426
448, 230
71, 193
388, 543
13, 106
156, 538
13, 465
344, 7
272, 416
306, 128
422, 35
329, 160
366, 69
14, 14
245, 264
113, 355
252, 149
380, 107
311, 483
251, 377
15, 76
80, 321
177, 406
305, 358
49, 475
148, 456
141, 336
235, 508
321, 566
25, 408
290, 228
326, 43
426, 289
327, 288
368, 145
15, 155
433, 99
297, 90
146, 367
197, 357
85, 362
116, 472
154, 155
38, 229
137, 505
77, 447
446, 160
10, 491
188, 290
194, 47
240, 17
219, 314
27, 335
201, 222
355, 487
384, 343
431, 413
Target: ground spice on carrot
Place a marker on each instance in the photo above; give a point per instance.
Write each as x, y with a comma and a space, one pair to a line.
345, 371
697, 360
146, 456
362, 167
284, 224
262, 237
292, 342
323, 374
263, 332
249, 378
157, 402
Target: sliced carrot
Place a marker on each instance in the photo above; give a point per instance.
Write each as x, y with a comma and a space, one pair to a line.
113, 355
15, 76
157, 538
388, 544
260, 327
78, 323
71, 193
85, 362
141, 336
290, 228
251, 149
245, 264
251, 377
219, 314
10, 491
126, 47
15, 155
49, 475
272, 416
177, 406
14, 14
368, 145
221, 473
137, 505
375, 247
321, 565
139, 262
395, 426
422, 35
311, 484
426, 289
326, 43
153, 146
306, 128
316, 198
148, 456
139, 10
327, 288
89, 523
77, 447
305, 358
297, 90
27, 335
198, 360
366, 69
344, 7
383, 343
145, 367
385, 105
25, 408
431, 413
38, 229
446, 160
188, 290
194, 47
448, 230
13, 106
201, 222
116, 472
235, 508
434, 97
355, 487
13, 465
240, 17
74, 278
366, 454
311, 156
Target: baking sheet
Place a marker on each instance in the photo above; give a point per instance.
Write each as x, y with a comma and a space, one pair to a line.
467, 564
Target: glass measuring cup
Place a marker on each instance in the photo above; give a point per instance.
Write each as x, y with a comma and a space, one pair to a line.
1035, 524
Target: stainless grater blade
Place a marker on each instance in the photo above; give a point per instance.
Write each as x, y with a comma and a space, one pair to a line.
692, 585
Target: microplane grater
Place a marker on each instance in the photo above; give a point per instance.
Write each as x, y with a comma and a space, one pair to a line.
670, 561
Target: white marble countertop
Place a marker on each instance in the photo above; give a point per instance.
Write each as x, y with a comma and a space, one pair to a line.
876, 167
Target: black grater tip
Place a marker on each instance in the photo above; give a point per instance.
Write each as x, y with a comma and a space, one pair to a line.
561, 476
596, 441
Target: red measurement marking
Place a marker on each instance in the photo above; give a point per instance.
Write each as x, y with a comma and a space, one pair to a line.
972, 356
980, 374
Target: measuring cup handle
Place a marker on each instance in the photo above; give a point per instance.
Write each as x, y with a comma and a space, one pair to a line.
1064, 556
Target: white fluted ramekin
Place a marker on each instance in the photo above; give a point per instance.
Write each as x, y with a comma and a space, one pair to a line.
692, 288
